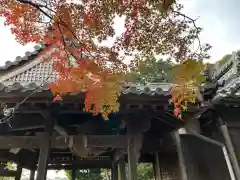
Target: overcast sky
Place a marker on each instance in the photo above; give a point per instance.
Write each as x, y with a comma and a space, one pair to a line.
219, 18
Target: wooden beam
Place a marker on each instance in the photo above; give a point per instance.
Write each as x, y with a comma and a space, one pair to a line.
114, 171
122, 168
44, 151
73, 173
59, 142
19, 173
8, 173
24, 128
32, 175
25, 122
132, 158
81, 162
182, 163
114, 141
89, 165
91, 141
228, 142
55, 157
6, 156
157, 167
30, 142
46, 98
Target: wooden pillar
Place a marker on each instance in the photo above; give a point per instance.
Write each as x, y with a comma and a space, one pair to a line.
157, 167
132, 158
19, 173
122, 169
230, 148
154, 170
2, 166
137, 124
114, 171
44, 151
73, 173
182, 164
32, 175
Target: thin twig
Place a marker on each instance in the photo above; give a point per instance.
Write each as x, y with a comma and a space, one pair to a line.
37, 6
60, 21
193, 21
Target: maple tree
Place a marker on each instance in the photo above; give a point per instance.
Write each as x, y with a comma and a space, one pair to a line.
189, 77
73, 29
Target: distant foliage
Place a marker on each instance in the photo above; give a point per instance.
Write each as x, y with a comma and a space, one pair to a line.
144, 172
87, 174
152, 70
225, 58
77, 27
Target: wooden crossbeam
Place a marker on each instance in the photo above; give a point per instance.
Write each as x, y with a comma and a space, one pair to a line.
28, 142
115, 141
81, 162
61, 142
8, 173
80, 166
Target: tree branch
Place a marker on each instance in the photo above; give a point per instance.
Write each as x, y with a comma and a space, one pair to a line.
37, 6
193, 21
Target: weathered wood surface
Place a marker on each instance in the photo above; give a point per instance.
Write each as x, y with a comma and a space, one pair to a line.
132, 158
122, 169
45, 150
114, 171
157, 167
115, 141
32, 175
46, 97
73, 177
85, 165
231, 150
19, 173
62, 142
182, 163
8, 173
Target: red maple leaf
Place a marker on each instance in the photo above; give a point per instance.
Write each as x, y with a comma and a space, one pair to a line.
57, 98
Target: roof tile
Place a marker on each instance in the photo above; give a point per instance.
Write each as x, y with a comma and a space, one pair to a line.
28, 56
150, 89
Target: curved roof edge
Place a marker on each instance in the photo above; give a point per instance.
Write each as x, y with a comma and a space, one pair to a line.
29, 55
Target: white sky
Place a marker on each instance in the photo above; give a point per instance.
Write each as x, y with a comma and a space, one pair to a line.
219, 18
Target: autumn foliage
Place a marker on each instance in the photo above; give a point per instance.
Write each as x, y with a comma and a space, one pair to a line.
76, 29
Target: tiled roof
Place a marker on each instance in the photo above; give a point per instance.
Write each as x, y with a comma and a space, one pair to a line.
28, 57
41, 72
149, 89
230, 73
231, 89
32, 75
